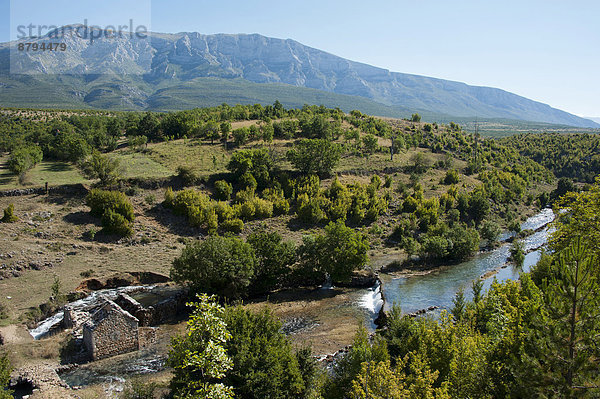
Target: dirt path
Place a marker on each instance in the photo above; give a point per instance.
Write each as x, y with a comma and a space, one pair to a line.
15, 334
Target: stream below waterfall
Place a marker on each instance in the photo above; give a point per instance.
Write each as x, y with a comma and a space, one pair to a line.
439, 287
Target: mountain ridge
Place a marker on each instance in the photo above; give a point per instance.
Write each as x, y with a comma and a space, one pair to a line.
187, 57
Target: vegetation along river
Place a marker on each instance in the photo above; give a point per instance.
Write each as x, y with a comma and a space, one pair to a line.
439, 287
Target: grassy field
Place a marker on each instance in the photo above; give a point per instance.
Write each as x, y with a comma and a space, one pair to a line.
59, 173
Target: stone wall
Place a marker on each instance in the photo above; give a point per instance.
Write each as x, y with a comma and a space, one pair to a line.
156, 314
111, 331
147, 336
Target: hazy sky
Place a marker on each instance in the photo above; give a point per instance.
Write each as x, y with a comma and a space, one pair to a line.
547, 50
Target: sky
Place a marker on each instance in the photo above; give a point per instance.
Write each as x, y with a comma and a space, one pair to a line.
547, 50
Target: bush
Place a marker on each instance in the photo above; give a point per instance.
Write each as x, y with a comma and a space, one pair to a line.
451, 177
100, 201
9, 216
187, 175
233, 225
217, 265
115, 223
274, 260
223, 190
102, 167
24, 158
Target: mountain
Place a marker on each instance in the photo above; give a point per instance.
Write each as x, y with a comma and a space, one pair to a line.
595, 119
184, 70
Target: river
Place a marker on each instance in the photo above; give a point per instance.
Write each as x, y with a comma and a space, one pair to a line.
439, 287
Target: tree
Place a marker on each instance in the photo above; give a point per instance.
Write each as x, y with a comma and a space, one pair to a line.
256, 162
264, 364
564, 342
420, 162
370, 143
577, 218
217, 265
451, 177
223, 190
517, 253
490, 231
338, 253
199, 358
24, 158
415, 118
350, 366
317, 156
274, 260
108, 170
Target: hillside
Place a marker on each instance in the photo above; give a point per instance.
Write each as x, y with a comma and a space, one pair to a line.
118, 74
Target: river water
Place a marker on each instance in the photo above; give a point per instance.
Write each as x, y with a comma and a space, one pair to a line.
439, 287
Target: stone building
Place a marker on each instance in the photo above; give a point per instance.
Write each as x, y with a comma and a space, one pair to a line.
110, 331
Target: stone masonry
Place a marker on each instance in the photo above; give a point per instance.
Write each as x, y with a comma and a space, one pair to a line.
110, 331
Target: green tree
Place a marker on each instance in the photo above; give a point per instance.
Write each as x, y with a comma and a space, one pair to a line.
317, 156
517, 253
451, 177
490, 231
415, 118
565, 353
350, 366
338, 252
223, 190
420, 163
217, 265
199, 358
370, 143
577, 218
103, 167
274, 260
264, 364
23, 159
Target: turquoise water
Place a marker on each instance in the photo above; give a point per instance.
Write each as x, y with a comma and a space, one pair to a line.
439, 287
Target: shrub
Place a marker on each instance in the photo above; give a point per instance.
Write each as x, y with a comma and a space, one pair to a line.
451, 177
223, 190
100, 201
169, 201
24, 158
187, 175
9, 216
233, 225
274, 260
102, 167
150, 199
115, 223
217, 265
248, 182
263, 209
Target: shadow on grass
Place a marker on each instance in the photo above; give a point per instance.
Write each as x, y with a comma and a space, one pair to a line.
176, 224
57, 167
79, 218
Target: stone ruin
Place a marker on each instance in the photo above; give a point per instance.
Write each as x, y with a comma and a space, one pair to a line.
124, 325
110, 331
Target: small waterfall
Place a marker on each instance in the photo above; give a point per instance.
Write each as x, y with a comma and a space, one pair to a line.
45, 326
372, 300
